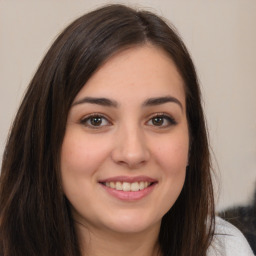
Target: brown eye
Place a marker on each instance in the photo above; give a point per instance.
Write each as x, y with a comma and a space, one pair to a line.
158, 121
161, 121
95, 121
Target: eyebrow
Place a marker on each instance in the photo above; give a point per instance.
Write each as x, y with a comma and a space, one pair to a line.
162, 100
98, 101
112, 103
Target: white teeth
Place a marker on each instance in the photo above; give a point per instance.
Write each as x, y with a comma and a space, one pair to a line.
127, 186
135, 186
112, 184
119, 186
142, 185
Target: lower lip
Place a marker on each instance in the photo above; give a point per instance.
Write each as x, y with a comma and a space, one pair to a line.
129, 195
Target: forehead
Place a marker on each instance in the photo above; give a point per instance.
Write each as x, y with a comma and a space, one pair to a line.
139, 72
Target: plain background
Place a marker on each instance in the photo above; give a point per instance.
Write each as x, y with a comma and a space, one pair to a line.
221, 37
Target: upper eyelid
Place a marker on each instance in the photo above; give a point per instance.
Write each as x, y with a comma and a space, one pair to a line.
86, 117
164, 114
95, 114
148, 117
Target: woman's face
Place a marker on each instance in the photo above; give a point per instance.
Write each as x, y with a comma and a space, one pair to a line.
125, 150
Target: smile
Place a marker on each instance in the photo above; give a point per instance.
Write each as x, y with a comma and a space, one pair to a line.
128, 186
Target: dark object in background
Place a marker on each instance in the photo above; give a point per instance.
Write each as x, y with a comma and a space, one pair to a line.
244, 218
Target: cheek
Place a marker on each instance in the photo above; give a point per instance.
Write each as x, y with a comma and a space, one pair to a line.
172, 157
173, 162
172, 154
81, 155
81, 158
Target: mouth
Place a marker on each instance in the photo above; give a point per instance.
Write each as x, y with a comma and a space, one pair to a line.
128, 186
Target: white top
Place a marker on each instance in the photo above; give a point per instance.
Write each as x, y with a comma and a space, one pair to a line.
228, 241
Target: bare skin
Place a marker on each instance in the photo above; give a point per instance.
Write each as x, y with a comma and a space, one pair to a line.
125, 152
143, 244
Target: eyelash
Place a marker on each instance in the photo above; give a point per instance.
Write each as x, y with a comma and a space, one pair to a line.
171, 121
94, 115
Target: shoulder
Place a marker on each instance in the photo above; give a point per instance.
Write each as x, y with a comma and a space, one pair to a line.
228, 241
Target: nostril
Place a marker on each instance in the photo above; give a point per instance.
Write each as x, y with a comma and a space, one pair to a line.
132, 160
131, 149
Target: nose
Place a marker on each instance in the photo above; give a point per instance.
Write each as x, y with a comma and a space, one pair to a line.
131, 149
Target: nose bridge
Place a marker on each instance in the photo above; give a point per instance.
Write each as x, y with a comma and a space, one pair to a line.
131, 146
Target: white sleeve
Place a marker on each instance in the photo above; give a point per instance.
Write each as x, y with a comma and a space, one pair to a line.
228, 241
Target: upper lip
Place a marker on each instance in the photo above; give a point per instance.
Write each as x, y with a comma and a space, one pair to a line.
128, 179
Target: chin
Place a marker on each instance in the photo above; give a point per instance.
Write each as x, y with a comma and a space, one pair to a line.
133, 223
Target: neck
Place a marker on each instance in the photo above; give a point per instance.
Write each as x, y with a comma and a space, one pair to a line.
106, 242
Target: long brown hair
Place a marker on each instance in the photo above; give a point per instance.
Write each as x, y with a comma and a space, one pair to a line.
35, 218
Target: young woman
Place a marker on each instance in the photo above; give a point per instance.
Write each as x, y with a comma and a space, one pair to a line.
108, 153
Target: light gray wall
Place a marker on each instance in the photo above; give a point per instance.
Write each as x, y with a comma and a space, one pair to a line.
221, 36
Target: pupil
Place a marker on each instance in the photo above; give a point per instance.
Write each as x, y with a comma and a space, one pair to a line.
96, 121
157, 121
